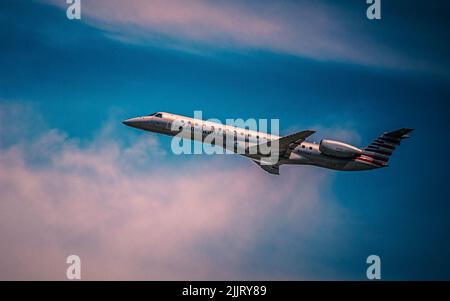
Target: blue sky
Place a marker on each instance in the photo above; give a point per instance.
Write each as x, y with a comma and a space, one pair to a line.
343, 75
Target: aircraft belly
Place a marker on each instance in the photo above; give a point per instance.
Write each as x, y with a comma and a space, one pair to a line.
327, 162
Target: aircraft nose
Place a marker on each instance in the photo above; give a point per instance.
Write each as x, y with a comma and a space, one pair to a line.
131, 121
127, 122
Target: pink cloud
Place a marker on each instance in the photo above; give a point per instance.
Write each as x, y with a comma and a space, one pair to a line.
193, 221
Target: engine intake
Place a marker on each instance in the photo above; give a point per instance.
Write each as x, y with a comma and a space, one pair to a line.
338, 149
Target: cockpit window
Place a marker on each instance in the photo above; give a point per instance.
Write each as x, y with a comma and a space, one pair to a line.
156, 115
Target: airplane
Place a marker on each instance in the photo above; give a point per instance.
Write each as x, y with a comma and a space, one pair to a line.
290, 149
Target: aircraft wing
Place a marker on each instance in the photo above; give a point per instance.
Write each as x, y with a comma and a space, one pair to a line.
285, 144
288, 143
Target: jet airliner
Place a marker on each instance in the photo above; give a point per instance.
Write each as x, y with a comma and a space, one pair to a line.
290, 149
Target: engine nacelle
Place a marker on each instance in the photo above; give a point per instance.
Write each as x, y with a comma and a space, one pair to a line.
338, 149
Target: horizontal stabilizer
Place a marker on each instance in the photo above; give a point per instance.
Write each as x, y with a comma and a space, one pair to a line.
399, 134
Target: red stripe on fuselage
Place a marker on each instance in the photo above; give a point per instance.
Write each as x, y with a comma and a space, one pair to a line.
376, 150
370, 161
375, 157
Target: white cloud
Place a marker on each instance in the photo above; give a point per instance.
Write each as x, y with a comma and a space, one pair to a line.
304, 28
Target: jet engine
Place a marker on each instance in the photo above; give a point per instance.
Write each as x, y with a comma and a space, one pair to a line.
338, 149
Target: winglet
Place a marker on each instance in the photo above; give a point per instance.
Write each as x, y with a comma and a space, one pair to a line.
272, 169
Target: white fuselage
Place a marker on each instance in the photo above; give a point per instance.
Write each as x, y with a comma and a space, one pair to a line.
306, 153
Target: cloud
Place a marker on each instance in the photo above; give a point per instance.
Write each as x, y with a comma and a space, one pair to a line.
313, 30
129, 213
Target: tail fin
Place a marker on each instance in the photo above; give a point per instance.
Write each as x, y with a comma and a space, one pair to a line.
379, 151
